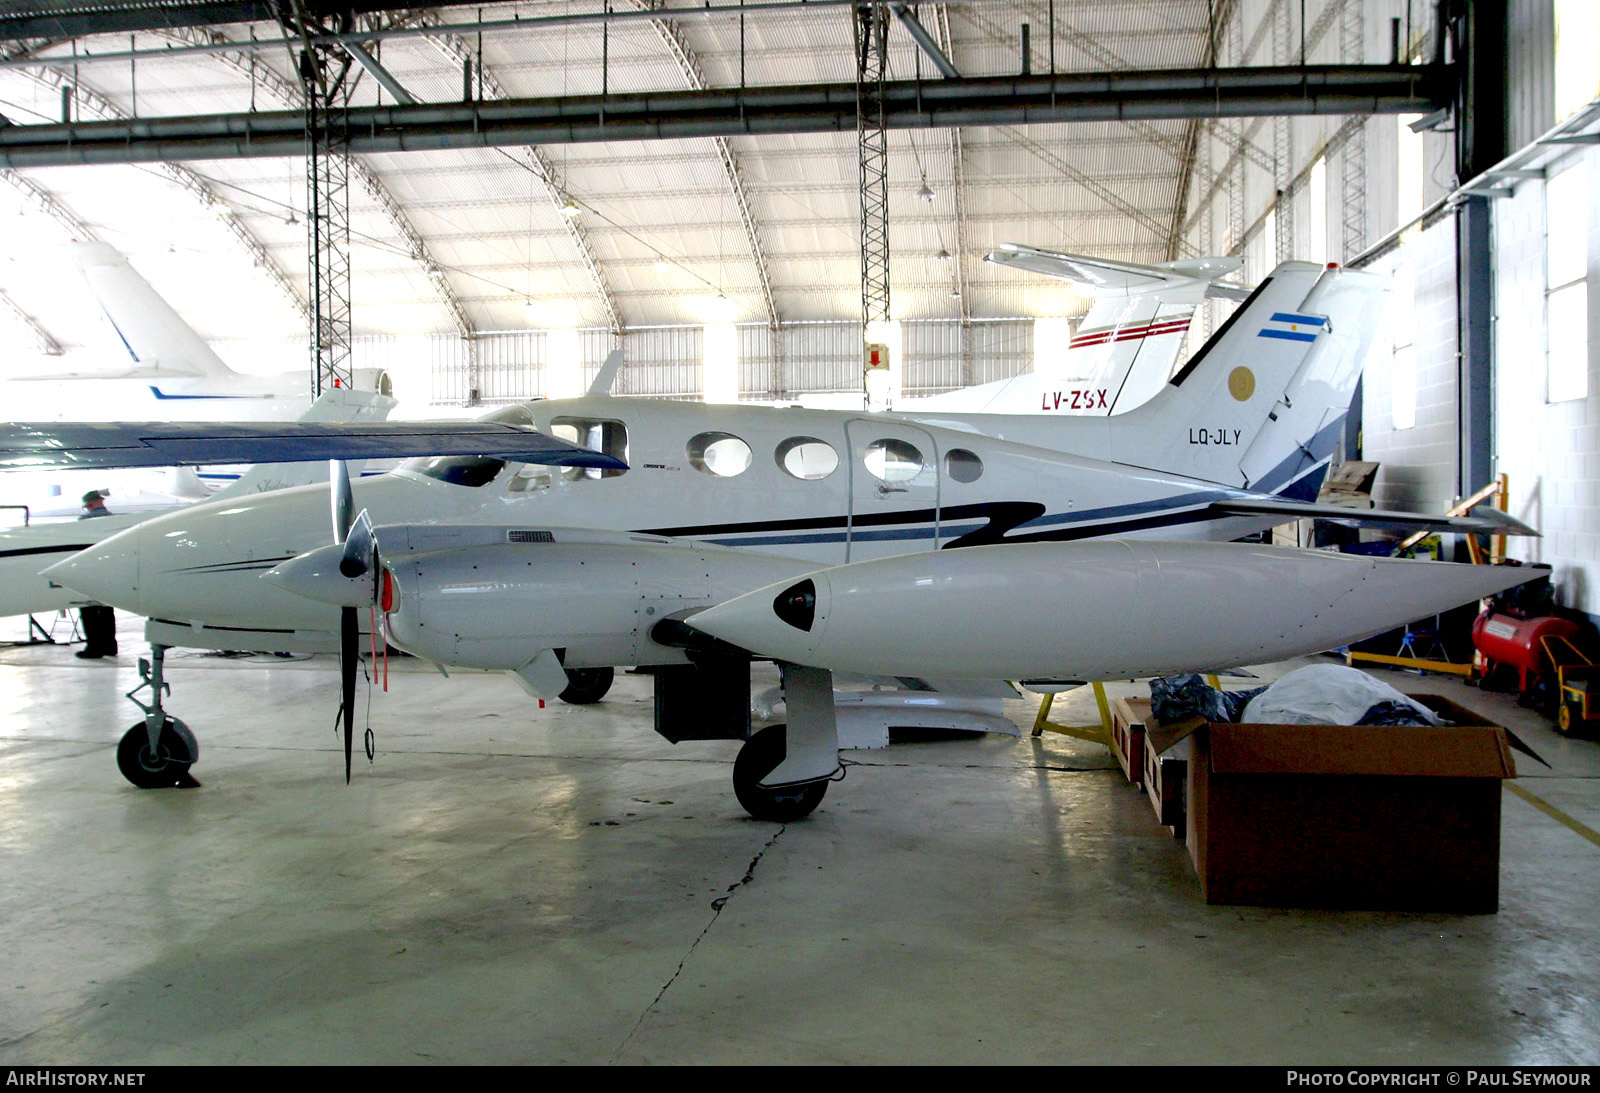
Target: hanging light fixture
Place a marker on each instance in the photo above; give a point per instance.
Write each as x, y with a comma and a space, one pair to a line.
661, 264
943, 255
569, 207
923, 191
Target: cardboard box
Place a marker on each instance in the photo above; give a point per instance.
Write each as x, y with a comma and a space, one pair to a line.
1165, 783
1127, 736
1353, 817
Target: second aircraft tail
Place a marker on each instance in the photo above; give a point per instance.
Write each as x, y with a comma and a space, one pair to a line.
1260, 406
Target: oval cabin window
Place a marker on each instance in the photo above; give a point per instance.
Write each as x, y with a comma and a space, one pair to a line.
720, 454
893, 460
807, 458
962, 465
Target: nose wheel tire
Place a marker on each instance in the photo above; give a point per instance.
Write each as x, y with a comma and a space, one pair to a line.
160, 769
758, 758
586, 685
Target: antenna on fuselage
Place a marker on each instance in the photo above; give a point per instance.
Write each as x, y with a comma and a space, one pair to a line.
607, 375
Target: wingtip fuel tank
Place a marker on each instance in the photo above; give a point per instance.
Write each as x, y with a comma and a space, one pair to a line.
1089, 610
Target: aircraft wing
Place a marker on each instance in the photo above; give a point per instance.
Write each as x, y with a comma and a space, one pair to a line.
89, 445
1483, 521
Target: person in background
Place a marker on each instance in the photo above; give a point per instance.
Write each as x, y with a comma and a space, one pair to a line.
99, 621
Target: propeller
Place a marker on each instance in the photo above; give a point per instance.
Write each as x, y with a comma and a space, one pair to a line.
358, 558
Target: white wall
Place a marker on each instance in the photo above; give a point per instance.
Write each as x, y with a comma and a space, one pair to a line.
1417, 466
1549, 451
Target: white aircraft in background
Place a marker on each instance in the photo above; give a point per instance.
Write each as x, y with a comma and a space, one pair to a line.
170, 374
25, 551
1125, 347
557, 577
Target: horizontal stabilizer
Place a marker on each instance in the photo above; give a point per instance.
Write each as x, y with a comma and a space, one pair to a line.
140, 370
1483, 521
84, 445
1105, 276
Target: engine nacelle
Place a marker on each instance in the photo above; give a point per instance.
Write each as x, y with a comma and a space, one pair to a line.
497, 605
373, 379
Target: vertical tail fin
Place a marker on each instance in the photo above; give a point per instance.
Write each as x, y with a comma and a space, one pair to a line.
156, 338
1258, 406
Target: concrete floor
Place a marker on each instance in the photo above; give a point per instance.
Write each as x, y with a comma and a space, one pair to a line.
511, 885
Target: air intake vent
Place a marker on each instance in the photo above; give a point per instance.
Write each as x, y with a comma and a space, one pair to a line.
523, 535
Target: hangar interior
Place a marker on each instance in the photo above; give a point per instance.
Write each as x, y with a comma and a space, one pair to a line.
511, 884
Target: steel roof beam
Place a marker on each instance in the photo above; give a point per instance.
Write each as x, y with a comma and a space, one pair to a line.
41, 337
925, 42
812, 108
538, 165
359, 54
673, 38
264, 77
74, 20
199, 187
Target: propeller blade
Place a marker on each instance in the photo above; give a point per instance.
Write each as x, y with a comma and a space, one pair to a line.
344, 501
360, 547
349, 639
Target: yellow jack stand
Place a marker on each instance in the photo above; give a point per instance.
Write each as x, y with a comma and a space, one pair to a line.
1098, 734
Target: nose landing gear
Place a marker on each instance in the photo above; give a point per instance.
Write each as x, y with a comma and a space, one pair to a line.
157, 752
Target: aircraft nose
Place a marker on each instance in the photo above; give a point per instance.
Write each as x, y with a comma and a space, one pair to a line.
107, 572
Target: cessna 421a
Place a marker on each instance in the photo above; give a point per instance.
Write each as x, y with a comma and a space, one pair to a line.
558, 576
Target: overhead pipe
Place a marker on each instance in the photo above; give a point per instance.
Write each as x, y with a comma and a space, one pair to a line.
660, 115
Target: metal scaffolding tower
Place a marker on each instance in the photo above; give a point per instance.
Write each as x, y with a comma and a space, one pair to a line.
871, 34
1353, 193
325, 76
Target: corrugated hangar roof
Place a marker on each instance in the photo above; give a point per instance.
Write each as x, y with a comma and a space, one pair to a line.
676, 231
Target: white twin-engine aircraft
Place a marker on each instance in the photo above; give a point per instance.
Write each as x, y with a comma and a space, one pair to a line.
672, 509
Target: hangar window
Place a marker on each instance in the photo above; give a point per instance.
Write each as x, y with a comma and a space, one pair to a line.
720, 454
807, 457
893, 460
596, 434
962, 465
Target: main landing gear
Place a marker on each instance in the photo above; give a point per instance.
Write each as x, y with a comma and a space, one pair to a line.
587, 685
758, 758
158, 751
783, 771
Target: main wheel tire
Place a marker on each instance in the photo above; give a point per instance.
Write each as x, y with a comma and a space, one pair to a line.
586, 685
147, 770
758, 758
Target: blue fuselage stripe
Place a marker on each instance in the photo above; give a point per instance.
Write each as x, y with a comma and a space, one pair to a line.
1288, 335
1304, 320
